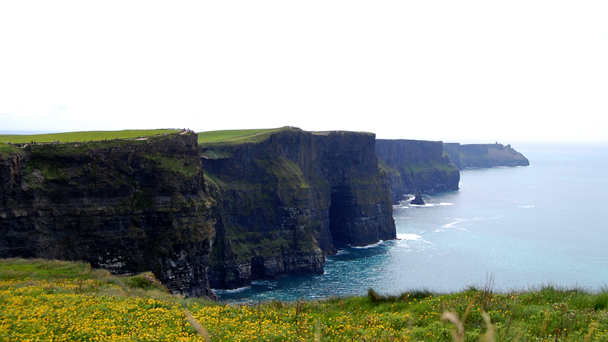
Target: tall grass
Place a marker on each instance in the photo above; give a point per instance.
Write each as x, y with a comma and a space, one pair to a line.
54, 300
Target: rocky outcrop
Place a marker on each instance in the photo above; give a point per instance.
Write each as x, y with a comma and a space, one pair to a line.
127, 206
285, 202
416, 165
418, 199
484, 155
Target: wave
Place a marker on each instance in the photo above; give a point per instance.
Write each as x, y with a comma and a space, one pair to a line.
237, 290
379, 243
526, 206
341, 252
430, 205
409, 237
458, 221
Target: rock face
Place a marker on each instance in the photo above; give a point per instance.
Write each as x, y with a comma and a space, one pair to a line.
287, 201
416, 165
127, 206
484, 155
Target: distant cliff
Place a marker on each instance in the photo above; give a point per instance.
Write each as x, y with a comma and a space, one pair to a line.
124, 205
285, 202
416, 165
484, 155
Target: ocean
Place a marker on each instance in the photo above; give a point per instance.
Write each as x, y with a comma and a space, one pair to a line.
516, 228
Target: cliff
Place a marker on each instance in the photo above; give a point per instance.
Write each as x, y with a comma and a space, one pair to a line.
287, 199
124, 205
484, 155
273, 204
416, 165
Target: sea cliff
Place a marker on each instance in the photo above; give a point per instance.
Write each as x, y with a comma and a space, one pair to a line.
128, 206
213, 214
416, 166
285, 202
484, 155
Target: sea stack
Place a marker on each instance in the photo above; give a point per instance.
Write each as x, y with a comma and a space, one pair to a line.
418, 199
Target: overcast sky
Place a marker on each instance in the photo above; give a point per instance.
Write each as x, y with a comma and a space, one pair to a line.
435, 70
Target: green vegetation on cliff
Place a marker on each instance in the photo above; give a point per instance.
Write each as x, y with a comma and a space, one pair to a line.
83, 136
65, 301
238, 136
6, 149
64, 160
428, 166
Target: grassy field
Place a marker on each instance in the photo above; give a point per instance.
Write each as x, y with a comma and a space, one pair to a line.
62, 301
237, 136
83, 136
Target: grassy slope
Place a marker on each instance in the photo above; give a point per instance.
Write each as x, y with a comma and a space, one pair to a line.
42, 300
237, 136
83, 136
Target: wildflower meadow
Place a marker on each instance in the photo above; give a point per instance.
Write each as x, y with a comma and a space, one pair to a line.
44, 300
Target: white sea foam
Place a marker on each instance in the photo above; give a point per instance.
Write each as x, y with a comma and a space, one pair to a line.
223, 291
409, 237
446, 203
526, 206
426, 205
451, 224
341, 252
458, 221
369, 246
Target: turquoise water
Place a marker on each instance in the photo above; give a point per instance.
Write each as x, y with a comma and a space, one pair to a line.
524, 227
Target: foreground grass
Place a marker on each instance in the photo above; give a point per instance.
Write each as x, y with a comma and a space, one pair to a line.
82, 136
52, 300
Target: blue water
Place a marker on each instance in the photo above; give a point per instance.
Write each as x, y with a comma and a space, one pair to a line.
524, 227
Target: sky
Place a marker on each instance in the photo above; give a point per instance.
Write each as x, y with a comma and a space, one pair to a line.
466, 71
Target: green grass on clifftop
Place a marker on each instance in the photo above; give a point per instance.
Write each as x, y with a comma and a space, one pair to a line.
238, 136
9, 149
44, 300
83, 136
